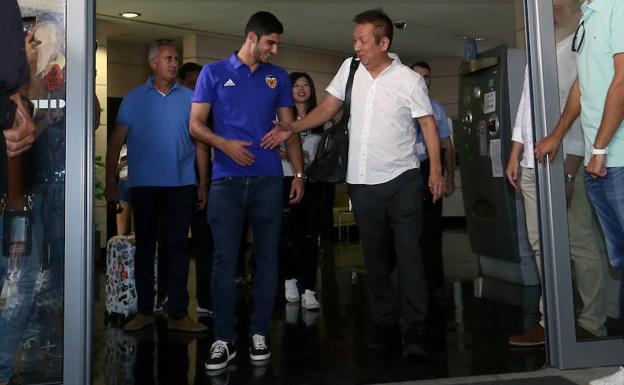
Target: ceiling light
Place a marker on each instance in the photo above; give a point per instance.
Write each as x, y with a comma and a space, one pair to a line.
130, 15
475, 38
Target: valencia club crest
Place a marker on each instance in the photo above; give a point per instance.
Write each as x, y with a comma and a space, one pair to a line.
271, 81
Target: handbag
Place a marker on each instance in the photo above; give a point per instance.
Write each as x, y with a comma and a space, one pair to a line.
331, 160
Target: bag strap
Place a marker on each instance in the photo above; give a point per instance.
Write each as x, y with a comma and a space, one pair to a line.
347, 101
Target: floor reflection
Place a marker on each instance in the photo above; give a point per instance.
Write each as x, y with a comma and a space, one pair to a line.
468, 332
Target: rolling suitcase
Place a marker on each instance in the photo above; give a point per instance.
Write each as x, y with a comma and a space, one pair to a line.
121, 294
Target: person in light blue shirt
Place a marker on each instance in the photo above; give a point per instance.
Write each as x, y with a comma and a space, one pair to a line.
431, 236
154, 118
598, 97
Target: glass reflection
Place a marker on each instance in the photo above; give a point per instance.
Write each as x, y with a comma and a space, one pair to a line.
595, 284
31, 305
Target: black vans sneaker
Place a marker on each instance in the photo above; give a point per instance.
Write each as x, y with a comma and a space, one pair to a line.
258, 349
221, 353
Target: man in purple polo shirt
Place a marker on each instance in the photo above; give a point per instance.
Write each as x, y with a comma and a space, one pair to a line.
154, 118
245, 92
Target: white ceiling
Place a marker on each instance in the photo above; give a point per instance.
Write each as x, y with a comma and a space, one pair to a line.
433, 26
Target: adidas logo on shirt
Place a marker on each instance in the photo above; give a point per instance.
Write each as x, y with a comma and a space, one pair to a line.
229, 83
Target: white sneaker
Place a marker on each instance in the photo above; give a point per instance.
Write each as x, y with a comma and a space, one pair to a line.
204, 311
616, 378
292, 313
292, 292
310, 318
308, 300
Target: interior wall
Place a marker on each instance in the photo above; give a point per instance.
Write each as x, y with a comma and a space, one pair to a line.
101, 91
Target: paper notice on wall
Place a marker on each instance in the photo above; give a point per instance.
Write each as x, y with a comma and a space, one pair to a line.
489, 102
496, 158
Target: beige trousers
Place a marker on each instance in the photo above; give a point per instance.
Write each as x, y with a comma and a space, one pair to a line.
596, 287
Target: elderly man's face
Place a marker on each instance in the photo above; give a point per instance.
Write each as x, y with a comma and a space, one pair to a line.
165, 64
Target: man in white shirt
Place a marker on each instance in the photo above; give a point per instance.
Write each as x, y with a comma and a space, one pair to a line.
587, 249
384, 181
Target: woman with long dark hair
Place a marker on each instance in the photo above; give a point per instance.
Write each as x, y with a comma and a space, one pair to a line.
301, 221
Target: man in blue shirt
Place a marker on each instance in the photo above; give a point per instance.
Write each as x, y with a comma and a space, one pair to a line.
154, 118
245, 92
431, 236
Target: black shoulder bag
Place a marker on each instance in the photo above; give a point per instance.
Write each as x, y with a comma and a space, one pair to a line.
330, 163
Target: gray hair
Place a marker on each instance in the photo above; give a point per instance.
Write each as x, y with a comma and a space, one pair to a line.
155, 47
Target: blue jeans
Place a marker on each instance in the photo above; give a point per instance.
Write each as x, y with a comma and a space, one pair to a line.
229, 202
607, 196
20, 275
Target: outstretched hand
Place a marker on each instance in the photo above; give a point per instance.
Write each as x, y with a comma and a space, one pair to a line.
281, 132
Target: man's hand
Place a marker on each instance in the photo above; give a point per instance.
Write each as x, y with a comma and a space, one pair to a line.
511, 172
596, 167
202, 193
436, 186
21, 135
449, 185
549, 145
238, 152
297, 188
281, 132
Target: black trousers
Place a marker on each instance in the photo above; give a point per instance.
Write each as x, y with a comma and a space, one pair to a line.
431, 236
300, 234
203, 247
175, 206
387, 215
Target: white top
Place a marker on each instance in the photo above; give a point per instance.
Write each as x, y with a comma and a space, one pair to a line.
573, 142
382, 135
309, 144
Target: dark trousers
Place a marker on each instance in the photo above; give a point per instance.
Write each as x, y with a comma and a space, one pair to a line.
388, 215
203, 247
229, 202
175, 206
431, 236
300, 234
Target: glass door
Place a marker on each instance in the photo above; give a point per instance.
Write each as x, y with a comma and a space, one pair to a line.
45, 282
581, 289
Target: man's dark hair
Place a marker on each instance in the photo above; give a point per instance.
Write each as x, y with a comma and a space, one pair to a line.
381, 21
188, 67
263, 23
421, 64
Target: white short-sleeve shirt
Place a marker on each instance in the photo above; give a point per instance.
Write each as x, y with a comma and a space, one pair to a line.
382, 135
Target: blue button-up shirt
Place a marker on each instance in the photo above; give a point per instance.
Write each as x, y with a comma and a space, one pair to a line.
441, 120
244, 105
161, 151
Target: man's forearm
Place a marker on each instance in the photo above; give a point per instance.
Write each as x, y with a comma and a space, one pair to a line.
432, 141
295, 155
113, 149
202, 158
449, 156
570, 113
321, 114
200, 131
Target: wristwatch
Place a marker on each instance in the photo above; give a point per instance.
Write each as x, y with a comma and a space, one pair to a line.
568, 177
599, 151
300, 175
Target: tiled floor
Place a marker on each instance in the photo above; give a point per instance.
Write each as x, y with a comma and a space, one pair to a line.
467, 335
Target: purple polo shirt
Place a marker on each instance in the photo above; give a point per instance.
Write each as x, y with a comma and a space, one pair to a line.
244, 106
